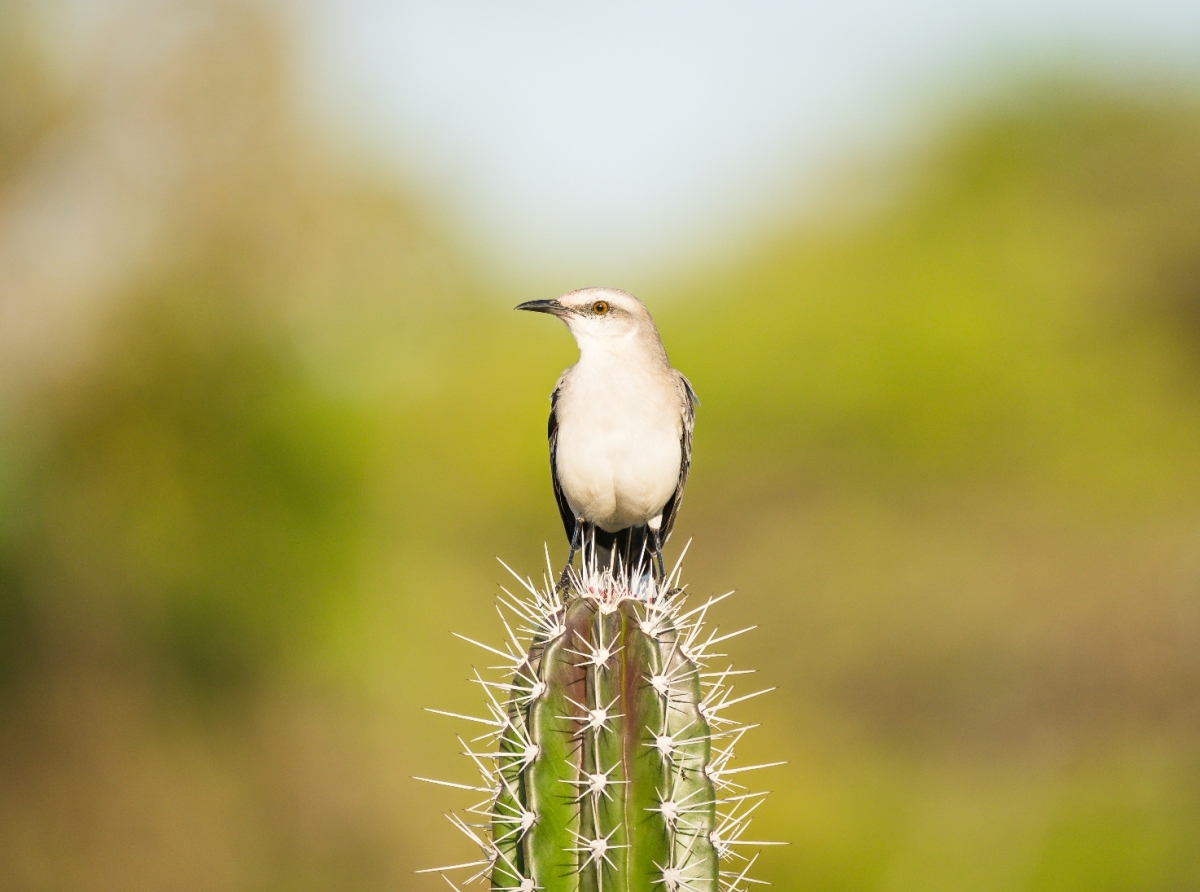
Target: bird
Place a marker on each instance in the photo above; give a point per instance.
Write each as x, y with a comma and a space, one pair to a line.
620, 430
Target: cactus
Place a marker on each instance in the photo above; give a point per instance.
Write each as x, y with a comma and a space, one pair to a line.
611, 760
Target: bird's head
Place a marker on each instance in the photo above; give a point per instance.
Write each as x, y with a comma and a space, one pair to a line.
599, 317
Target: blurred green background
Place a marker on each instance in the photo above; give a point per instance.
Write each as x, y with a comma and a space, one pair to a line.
266, 418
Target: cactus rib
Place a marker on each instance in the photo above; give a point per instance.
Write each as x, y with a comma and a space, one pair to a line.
612, 759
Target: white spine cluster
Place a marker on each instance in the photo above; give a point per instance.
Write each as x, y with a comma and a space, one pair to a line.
537, 615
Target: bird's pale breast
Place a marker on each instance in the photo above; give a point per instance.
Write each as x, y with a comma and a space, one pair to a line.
619, 449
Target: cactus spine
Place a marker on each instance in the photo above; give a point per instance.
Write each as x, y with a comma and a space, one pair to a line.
611, 765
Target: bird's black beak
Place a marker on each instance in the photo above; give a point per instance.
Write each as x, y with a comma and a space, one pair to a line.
553, 307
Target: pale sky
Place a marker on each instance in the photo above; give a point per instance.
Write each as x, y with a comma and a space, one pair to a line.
570, 131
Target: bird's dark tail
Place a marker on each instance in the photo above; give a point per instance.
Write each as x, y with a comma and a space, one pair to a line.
631, 550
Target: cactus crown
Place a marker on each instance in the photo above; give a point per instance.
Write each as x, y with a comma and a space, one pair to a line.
606, 763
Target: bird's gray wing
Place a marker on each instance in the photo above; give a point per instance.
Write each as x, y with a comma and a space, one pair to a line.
688, 401
568, 516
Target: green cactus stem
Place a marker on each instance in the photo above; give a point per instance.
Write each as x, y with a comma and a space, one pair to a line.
611, 766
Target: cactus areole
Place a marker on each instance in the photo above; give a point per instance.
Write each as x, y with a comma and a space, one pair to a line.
606, 766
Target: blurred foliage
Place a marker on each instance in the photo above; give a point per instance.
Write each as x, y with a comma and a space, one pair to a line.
194, 486
949, 448
32, 107
1006, 321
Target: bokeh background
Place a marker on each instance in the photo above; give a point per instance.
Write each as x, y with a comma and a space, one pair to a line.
266, 418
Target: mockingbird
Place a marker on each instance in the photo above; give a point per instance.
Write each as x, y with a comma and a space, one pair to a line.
620, 429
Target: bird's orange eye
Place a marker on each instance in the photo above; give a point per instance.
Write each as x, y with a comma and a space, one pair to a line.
600, 307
